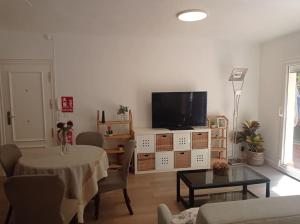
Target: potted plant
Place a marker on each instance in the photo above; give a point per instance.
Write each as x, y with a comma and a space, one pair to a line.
254, 140
122, 112
213, 123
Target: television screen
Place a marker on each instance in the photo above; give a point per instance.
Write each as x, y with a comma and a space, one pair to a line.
179, 110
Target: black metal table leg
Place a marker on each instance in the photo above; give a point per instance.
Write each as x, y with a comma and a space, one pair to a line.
178, 187
245, 190
191, 197
268, 189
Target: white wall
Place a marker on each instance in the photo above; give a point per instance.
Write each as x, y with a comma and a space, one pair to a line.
103, 72
274, 56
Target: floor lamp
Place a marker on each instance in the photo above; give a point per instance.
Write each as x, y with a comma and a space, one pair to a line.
237, 78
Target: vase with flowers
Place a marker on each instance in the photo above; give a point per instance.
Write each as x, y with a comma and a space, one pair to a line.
109, 131
62, 131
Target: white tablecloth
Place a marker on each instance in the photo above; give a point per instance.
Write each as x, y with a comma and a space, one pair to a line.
80, 169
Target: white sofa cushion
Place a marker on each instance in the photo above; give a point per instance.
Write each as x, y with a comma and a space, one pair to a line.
275, 210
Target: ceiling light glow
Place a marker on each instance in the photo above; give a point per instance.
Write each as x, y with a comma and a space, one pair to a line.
191, 15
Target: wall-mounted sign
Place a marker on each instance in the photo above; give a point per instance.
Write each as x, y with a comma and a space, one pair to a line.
67, 104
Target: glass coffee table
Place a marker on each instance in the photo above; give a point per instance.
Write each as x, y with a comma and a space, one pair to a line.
207, 179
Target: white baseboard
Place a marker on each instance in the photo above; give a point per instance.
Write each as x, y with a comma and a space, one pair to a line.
271, 164
282, 170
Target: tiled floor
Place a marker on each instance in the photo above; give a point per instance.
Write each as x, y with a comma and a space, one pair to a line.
149, 190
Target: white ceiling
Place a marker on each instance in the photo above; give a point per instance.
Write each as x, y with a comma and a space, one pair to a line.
245, 20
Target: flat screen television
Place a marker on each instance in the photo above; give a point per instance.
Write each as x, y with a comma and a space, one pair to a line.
179, 110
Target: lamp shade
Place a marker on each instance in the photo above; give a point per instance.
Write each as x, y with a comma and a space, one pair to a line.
238, 74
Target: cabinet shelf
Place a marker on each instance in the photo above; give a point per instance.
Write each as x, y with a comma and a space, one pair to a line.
218, 138
218, 149
221, 128
115, 166
118, 137
114, 151
116, 122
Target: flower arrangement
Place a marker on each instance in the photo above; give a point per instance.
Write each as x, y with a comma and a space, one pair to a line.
109, 131
62, 131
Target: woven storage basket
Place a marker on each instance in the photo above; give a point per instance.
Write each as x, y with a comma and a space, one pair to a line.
182, 159
146, 161
199, 140
164, 142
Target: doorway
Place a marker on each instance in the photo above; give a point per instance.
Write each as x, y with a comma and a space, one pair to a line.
27, 93
290, 158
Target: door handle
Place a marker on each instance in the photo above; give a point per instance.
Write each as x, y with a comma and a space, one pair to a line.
9, 117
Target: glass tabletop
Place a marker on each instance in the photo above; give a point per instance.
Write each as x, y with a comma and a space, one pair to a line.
236, 175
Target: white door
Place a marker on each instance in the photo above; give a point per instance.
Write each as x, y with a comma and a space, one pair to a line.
290, 157
26, 90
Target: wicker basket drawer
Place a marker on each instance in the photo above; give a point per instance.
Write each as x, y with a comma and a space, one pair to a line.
145, 161
200, 140
182, 159
164, 142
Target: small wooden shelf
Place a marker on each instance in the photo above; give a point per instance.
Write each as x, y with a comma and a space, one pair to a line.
118, 137
218, 128
114, 122
115, 166
218, 149
218, 138
114, 151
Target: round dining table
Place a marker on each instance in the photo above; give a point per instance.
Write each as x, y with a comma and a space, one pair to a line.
80, 169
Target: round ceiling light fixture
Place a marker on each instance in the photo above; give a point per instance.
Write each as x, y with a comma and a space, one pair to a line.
192, 15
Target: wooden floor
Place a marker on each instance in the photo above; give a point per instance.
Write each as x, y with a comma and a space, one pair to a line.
149, 190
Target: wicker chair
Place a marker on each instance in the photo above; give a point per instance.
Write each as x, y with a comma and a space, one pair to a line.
90, 138
40, 199
117, 179
9, 155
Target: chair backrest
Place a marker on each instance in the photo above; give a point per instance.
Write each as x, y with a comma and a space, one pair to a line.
9, 155
164, 214
35, 199
90, 138
129, 149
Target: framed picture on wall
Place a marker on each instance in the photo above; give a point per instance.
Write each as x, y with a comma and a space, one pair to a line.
221, 122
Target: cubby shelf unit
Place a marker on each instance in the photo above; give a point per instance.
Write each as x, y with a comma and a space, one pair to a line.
162, 150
